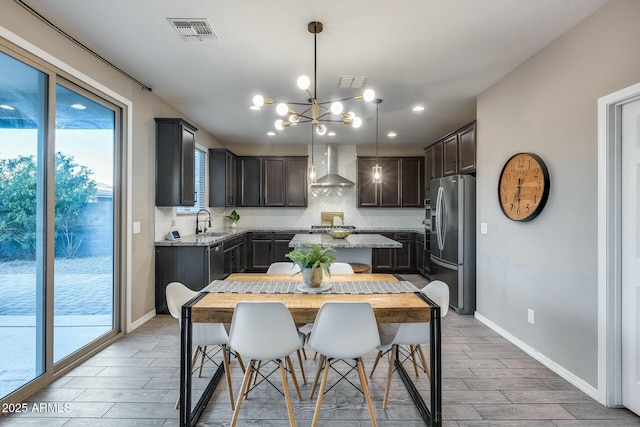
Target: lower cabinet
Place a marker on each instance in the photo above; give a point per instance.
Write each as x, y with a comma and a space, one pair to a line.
261, 251
419, 253
235, 255
193, 266
388, 260
281, 246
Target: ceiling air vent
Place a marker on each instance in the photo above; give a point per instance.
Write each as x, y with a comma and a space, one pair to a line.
352, 82
194, 29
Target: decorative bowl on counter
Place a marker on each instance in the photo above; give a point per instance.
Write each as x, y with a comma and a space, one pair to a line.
338, 233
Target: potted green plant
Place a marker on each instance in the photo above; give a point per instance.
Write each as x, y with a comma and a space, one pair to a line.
312, 262
234, 217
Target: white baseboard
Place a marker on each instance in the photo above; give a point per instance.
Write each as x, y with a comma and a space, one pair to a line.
585, 387
141, 321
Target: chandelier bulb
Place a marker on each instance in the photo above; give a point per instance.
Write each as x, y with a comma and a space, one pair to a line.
258, 101
304, 82
321, 130
336, 108
278, 124
282, 109
294, 119
357, 122
368, 95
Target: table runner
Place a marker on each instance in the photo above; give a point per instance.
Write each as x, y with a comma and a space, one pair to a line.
383, 287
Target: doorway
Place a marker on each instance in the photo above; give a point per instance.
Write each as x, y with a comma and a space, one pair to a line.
619, 249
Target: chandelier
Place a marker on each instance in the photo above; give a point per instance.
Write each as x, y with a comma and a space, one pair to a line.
314, 111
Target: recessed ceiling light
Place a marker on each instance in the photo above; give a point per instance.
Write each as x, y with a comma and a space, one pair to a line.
7, 107
78, 106
254, 107
331, 134
271, 133
392, 134
418, 108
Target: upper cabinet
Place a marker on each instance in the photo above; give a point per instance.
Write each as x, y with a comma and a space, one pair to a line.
175, 162
402, 182
453, 154
222, 178
257, 181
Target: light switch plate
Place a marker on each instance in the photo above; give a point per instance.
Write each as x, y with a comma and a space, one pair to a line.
483, 228
136, 227
531, 316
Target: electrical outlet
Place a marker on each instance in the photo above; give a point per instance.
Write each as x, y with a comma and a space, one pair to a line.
136, 227
531, 316
483, 228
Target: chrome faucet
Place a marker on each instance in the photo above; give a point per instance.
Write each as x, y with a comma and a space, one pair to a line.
204, 229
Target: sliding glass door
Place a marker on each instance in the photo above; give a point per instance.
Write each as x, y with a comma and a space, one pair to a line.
22, 164
59, 198
84, 221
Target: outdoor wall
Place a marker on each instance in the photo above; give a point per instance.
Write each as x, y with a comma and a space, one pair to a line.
146, 106
548, 106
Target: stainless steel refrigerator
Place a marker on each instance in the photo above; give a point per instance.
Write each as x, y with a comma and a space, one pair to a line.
453, 239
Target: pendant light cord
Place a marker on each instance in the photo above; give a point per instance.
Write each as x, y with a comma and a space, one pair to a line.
377, 109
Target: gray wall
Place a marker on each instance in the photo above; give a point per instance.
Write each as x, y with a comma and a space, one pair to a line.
548, 105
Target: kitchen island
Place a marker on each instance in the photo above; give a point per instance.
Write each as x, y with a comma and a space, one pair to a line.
356, 248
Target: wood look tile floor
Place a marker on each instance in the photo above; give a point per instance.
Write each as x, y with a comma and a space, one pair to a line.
487, 381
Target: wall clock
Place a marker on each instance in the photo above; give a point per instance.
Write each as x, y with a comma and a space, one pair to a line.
523, 189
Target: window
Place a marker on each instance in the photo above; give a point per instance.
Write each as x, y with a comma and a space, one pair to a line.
200, 178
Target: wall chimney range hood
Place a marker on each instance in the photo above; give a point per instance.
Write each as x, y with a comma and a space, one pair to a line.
332, 179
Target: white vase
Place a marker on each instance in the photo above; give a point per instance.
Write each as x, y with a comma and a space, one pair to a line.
312, 277
234, 224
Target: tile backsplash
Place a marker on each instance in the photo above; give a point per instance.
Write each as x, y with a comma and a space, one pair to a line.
319, 199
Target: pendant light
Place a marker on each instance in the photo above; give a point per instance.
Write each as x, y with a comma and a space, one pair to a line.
376, 173
313, 173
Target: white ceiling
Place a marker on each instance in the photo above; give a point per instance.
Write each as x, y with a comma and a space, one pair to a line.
438, 53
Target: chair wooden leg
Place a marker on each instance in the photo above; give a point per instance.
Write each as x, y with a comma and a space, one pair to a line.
204, 351
424, 361
227, 372
193, 363
365, 388
412, 348
287, 397
293, 377
375, 363
315, 355
245, 385
240, 361
392, 362
323, 384
255, 379
323, 359
304, 353
304, 377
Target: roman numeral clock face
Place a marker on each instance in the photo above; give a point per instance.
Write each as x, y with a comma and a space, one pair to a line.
524, 187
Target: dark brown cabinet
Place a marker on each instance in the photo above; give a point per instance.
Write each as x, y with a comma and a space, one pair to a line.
402, 182
281, 246
235, 260
175, 162
285, 181
261, 251
419, 252
389, 260
249, 181
222, 178
193, 266
432, 165
458, 153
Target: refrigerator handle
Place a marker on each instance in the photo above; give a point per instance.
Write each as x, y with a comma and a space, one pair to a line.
439, 218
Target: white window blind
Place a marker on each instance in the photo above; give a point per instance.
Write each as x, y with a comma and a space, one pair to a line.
200, 182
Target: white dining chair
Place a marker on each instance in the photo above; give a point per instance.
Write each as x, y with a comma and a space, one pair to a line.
343, 330
264, 331
393, 335
203, 335
340, 268
283, 268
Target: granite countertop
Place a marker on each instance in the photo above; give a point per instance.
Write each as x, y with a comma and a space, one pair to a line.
352, 241
219, 235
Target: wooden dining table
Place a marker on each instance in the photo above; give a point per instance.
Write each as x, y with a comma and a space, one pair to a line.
411, 307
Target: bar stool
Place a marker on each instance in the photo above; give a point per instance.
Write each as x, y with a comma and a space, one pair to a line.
360, 268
